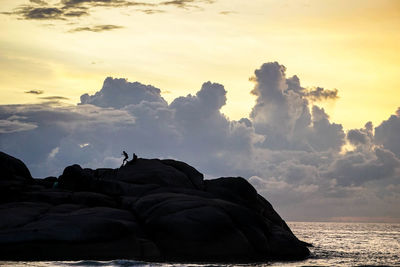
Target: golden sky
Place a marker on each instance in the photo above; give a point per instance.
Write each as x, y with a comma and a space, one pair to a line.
352, 46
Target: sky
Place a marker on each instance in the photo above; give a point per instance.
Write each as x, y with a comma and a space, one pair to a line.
299, 97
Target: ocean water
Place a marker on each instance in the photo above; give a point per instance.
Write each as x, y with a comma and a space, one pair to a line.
335, 244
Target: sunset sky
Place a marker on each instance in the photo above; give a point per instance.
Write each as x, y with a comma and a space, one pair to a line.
303, 98
351, 46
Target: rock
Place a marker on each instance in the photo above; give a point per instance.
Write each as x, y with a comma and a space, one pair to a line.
236, 190
151, 210
240, 191
194, 228
12, 168
152, 171
194, 175
16, 214
47, 182
142, 172
92, 199
15, 178
75, 178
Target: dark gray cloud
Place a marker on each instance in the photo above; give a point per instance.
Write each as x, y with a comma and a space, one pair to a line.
312, 94
356, 168
34, 92
42, 11
288, 148
54, 98
323, 134
76, 13
96, 28
103, 3
125, 3
70, 9
39, 13
362, 138
319, 93
39, 2
357, 137
387, 133
186, 3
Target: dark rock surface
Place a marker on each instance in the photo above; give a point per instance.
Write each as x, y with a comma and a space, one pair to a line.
152, 210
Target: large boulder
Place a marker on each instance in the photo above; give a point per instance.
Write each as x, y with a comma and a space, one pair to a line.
12, 168
194, 175
239, 190
141, 172
15, 178
152, 210
192, 227
154, 171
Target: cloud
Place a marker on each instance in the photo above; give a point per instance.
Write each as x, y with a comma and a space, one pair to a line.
387, 133
106, 3
65, 127
13, 126
34, 92
323, 134
118, 93
39, 2
54, 98
97, 28
288, 148
312, 94
76, 13
319, 93
68, 9
362, 138
39, 13
357, 137
186, 3
151, 11
227, 12
54, 152
282, 114
40, 10
357, 168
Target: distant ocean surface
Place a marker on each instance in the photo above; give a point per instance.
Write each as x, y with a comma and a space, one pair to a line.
335, 244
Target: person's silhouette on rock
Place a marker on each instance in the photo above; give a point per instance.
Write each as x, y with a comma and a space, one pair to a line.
125, 158
133, 161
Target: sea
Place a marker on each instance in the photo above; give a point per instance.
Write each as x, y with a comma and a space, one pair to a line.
334, 244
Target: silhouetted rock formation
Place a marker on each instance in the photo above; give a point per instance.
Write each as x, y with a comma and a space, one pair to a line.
153, 210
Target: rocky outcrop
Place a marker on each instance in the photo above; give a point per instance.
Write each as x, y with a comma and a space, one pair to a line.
150, 209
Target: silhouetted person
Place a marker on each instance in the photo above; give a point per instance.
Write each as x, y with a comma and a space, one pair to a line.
133, 161
125, 158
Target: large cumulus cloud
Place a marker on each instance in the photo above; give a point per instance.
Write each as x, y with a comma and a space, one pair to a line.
282, 114
118, 93
288, 147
